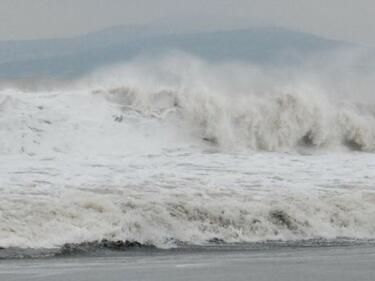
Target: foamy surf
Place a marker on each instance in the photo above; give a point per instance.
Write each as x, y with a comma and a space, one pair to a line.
168, 155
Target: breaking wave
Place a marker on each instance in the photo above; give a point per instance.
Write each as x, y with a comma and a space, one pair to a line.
273, 123
230, 107
239, 106
167, 219
103, 158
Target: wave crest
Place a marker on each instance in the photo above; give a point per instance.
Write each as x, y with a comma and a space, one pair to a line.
271, 122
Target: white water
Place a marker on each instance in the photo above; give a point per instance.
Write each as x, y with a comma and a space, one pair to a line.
185, 151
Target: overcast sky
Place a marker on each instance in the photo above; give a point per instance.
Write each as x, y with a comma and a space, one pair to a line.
352, 20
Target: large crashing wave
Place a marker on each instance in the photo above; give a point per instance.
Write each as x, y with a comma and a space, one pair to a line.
237, 106
275, 122
230, 106
108, 158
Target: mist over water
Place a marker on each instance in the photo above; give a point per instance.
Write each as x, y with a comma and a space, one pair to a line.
173, 149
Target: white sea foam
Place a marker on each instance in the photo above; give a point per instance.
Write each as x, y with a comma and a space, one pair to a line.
179, 150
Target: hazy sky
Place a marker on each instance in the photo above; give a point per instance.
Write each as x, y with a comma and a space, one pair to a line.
352, 20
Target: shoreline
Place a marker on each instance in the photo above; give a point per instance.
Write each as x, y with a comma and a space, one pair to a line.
107, 248
302, 263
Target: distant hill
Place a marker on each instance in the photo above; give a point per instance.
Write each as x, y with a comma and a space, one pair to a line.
76, 56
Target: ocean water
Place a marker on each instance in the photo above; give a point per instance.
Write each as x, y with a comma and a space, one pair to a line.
179, 153
231, 263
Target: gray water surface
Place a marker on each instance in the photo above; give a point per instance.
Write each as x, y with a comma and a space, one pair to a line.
326, 263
